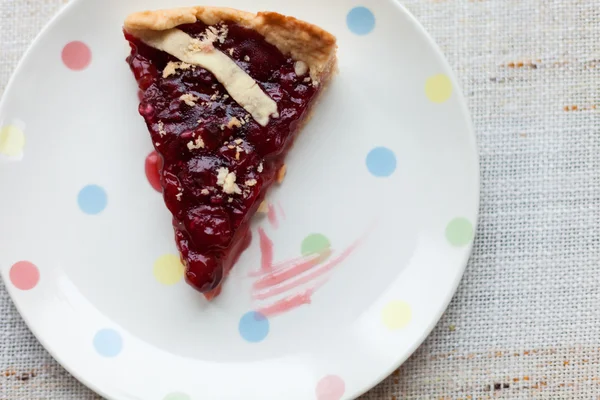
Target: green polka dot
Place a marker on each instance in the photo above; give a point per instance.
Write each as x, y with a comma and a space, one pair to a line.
314, 243
459, 232
177, 396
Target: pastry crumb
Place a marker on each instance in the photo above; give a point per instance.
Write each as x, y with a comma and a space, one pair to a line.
172, 67
219, 33
300, 68
204, 191
234, 122
169, 69
239, 141
263, 207
208, 38
251, 182
197, 144
188, 99
221, 174
161, 129
230, 200
226, 179
230, 186
246, 58
260, 168
281, 173
230, 51
238, 150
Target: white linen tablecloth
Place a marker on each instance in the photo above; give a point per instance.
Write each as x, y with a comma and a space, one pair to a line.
525, 322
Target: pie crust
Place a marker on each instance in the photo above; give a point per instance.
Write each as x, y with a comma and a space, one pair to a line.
299, 39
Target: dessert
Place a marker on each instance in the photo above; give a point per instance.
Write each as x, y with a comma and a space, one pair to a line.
223, 93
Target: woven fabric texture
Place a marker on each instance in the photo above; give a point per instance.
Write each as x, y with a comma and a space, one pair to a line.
525, 322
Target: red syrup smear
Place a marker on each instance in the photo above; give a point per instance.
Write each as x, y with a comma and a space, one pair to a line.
283, 274
266, 251
280, 210
288, 275
276, 278
289, 303
281, 264
272, 216
152, 166
274, 291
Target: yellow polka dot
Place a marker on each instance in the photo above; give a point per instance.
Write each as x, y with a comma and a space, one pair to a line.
396, 315
12, 141
168, 269
438, 88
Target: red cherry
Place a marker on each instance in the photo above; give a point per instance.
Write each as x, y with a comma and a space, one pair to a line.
203, 273
153, 165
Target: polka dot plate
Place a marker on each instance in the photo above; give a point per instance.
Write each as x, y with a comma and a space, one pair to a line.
366, 240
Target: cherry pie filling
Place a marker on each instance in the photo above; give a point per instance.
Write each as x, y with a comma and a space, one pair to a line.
211, 224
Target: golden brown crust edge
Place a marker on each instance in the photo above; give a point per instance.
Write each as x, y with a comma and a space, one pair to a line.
299, 39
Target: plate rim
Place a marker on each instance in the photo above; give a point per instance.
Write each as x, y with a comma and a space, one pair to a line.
449, 71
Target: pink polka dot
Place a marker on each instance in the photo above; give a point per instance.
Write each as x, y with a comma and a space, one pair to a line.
24, 275
331, 387
76, 55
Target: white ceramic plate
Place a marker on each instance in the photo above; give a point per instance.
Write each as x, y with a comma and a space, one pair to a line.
385, 175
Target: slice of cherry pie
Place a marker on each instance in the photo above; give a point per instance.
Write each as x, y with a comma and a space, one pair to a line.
223, 93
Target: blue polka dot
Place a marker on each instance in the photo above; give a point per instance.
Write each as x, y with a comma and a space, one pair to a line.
92, 199
254, 327
381, 161
360, 20
108, 342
